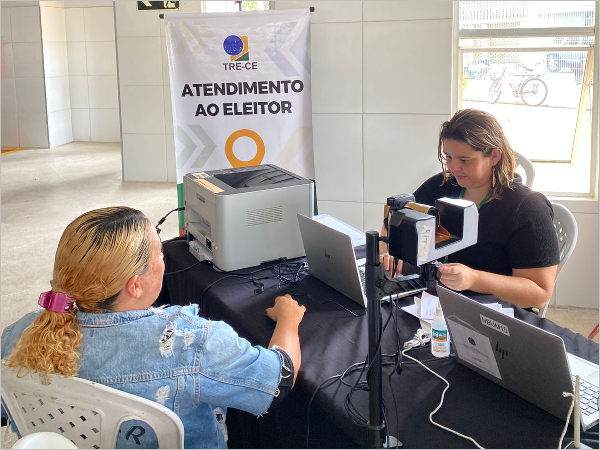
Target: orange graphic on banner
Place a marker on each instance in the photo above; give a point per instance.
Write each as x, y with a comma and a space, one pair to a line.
260, 148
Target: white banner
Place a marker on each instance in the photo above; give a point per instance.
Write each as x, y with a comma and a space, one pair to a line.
240, 90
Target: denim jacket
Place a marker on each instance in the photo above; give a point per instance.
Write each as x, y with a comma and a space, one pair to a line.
195, 367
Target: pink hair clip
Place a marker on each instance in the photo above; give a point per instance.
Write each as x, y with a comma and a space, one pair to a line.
57, 302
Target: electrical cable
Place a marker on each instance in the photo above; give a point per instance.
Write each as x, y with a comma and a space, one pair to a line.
332, 378
182, 270
356, 417
285, 272
420, 339
398, 368
281, 272
161, 221
564, 431
441, 400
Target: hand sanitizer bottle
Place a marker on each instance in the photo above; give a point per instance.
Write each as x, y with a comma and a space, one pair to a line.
440, 341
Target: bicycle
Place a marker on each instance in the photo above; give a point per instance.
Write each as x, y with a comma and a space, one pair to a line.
533, 90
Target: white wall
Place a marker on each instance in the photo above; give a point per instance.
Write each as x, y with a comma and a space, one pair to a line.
90, 35
54, 44
577, 283
376, 113
60, 78
145, 94
23, 89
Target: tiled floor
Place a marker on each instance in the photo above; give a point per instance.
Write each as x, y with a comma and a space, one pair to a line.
42, 191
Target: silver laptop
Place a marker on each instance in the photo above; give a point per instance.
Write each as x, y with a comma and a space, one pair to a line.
520, 357
332, 260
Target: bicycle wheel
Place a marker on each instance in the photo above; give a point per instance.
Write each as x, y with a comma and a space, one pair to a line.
495, 90
534, 91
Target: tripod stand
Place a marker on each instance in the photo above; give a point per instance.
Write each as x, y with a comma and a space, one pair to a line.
376, 286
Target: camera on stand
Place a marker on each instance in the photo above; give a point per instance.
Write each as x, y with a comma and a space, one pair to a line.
420, 235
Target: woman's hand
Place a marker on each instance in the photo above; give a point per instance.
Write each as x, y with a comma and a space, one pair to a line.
387, 261
457, 276
286, 308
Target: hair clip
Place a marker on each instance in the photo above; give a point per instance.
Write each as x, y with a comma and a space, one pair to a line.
57, 302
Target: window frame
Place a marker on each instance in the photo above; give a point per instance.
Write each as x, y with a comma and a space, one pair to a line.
556, 32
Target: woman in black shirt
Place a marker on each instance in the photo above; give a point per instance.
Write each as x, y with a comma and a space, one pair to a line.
516, 255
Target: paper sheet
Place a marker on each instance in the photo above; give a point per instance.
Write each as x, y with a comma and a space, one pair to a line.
424, 308
414, 310
428, 303
474, 348
498, 307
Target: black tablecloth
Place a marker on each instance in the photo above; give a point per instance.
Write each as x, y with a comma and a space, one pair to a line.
334, 336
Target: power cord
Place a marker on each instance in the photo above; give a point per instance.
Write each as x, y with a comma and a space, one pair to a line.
420, 339
564, 431
287, 274
161, 221
182, 270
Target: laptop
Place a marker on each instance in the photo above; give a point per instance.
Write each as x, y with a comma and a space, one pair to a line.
332, 260
520, 357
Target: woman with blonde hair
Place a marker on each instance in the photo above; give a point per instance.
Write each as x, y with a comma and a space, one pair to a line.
516, 255
97, 323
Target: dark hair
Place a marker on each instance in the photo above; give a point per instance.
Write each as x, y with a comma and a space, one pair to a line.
483, 133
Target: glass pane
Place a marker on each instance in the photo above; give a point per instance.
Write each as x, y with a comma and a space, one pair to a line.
566, 42
575, 177
255, 6
534, 14
216, 6
538, 112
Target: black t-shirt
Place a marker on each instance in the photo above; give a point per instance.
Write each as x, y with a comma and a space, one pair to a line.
515, 231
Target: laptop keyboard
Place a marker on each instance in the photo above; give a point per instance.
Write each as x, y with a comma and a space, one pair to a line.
588, 397
361, 272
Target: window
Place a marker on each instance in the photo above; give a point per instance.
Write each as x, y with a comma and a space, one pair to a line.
216, 6
530, 64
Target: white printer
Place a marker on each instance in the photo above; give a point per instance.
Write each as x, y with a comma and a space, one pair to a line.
241, 217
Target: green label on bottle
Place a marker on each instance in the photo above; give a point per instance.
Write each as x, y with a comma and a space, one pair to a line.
440, 335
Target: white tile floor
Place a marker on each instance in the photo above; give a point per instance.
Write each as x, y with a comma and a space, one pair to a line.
45, 189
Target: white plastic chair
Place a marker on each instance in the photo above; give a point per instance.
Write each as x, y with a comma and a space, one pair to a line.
87, 413
566, 233
528, 168
44, 439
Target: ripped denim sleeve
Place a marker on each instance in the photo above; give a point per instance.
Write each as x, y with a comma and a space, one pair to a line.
287, 376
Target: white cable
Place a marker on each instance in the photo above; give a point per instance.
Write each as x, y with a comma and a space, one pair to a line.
562, 436
419, 340
420, 337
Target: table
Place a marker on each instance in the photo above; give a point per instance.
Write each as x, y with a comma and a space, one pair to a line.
333, 336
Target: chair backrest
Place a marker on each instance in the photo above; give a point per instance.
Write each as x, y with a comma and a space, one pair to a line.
528, 168
87, 413
44, 439
566, 233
